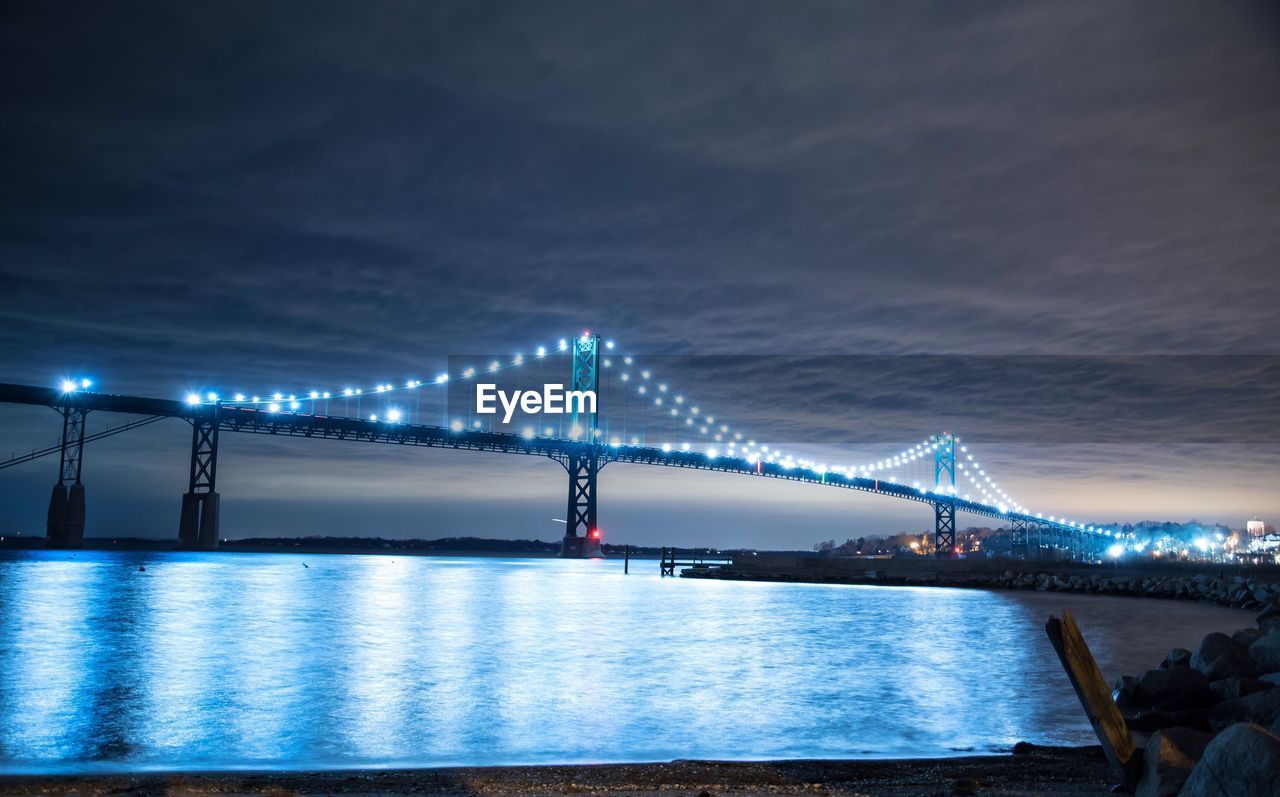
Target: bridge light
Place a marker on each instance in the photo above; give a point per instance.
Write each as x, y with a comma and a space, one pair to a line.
273, 407
373, 417
193, 398
1115, 551
594, 534
493, 366
326, 394
608, 344
527, 433
393, 416
456, 425
442, 378
564, 344
256, 399
542, 351
86, 383
518, 360
666, 448
684, 446
293, 405
69, 386
315, 394
239, 397
213, 396
347, 391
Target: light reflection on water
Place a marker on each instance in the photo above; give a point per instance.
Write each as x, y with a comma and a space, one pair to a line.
252, 660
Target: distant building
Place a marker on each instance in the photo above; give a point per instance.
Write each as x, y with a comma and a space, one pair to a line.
1256, 528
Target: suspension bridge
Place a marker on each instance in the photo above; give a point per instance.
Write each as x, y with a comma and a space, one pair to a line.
580, 443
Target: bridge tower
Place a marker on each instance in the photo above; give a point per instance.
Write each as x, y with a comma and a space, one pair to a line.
198, 526
582, 532
944, 505
65, 527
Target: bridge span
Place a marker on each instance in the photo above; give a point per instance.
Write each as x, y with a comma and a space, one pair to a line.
198, 527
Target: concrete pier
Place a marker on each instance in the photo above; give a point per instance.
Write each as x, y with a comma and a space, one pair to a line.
575, 547
198, 526
65, 525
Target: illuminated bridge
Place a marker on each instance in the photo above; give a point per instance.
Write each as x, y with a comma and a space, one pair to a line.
579, 444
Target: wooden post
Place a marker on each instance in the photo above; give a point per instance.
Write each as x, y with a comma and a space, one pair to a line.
1092, 690
626, 559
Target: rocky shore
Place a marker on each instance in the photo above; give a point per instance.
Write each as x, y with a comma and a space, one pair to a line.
1250, 590
1213, 714
1237, 591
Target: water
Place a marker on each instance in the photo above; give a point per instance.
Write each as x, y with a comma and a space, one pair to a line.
230, 660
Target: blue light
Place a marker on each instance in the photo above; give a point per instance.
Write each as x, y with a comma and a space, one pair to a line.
193, 398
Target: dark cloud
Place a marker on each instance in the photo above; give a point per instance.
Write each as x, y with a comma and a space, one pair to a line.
265, 196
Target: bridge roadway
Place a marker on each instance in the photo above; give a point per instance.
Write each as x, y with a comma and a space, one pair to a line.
209, 419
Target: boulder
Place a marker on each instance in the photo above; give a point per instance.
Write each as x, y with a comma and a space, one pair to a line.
1236, 686
1169, 757
1271, 678
1261, 708
1266, 652
1125, 692
1219, 656
1242, 761
1247, 636
1155, 686
1269, 618
1155, 719
1176, 657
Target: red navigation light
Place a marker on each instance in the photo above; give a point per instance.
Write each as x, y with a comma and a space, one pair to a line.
594, 534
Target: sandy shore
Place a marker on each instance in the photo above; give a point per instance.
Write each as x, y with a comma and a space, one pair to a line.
1033, 771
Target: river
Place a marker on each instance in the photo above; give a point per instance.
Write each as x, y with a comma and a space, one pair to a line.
234, 660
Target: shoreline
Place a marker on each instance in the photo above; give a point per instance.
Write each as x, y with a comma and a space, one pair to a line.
1028, 770
1235, 588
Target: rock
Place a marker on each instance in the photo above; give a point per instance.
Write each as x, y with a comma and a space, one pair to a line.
1125, 692
1266, 652
1242, 761
1262, 708
1247, 636
1169, 757
1236, 686
1155, 686
1176, 657
1269, 618
1155, 719
1218, 656
1271, 678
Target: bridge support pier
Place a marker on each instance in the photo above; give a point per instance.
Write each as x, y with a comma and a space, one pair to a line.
944, 535
65, 526
582, 534
1019, 544
198, 525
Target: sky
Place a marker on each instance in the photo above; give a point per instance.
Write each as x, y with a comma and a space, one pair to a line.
1052, 228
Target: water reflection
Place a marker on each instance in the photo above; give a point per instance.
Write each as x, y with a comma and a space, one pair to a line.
235, 660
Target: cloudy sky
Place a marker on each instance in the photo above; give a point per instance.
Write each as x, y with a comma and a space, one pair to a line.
1049, 227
